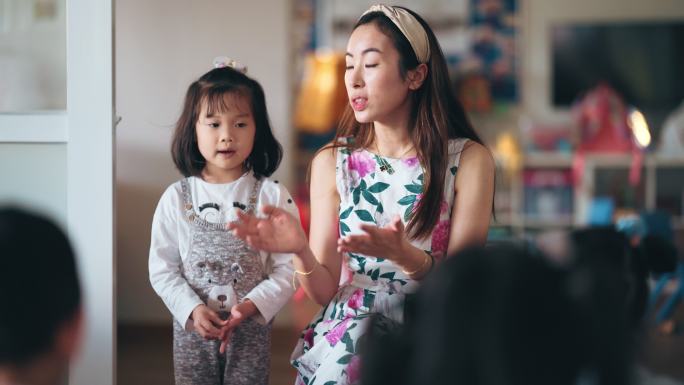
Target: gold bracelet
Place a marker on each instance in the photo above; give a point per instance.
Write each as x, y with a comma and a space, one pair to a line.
427, 258
305, 273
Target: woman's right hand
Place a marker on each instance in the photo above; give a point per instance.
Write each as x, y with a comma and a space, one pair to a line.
279, 232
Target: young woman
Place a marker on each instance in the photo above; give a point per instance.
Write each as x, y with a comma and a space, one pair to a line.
405, 182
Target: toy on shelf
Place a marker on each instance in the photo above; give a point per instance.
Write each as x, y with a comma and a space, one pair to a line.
607, 126
548, 195
546, 138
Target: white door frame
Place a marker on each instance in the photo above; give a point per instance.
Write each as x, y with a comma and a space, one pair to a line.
90, 186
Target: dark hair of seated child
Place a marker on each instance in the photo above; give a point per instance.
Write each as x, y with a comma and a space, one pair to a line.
505, 315
40, 322
601, 249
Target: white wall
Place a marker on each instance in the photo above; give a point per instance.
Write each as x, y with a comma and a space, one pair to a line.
538, 16
39, 183
161, 46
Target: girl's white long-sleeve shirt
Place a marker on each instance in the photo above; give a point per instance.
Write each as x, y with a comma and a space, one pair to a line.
216, 203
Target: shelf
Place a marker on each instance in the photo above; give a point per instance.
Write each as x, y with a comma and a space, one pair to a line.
561, 222
666, 161
547, 160
561, 160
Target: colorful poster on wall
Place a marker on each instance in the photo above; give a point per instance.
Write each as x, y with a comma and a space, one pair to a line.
492, 54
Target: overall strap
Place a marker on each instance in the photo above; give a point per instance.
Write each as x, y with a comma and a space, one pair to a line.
187, 199
254, 195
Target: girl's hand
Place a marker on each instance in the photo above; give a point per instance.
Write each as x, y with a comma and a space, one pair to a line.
383, 242
238, 313
279, 232
207, 322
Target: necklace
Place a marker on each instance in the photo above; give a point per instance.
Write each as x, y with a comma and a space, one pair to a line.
386, 165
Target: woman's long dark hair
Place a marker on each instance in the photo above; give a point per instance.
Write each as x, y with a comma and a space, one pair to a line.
436, 116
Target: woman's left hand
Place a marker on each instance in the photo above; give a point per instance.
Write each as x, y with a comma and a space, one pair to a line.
383, 242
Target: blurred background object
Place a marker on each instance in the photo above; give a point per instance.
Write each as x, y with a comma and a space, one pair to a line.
322, 95
33, 61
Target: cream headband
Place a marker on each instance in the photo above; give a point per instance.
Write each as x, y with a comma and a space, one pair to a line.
409, 26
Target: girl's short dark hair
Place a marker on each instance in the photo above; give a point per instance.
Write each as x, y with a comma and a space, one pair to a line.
212, 87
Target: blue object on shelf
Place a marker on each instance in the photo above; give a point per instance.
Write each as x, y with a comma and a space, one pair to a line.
601, 211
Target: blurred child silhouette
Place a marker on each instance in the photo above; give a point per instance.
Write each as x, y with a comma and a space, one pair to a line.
41, 320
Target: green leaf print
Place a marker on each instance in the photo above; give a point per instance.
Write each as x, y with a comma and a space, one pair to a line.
420, 177
414, 188
362, 185
346, 212
389, 275
375, 275
368, 299
361, 261
453, 170
369, 198
364, 215
380, 208
378, 187
407, 200
331, 383
345, 151
407, 213
356, 195
348, 342
345, 359
344, 229
359, 344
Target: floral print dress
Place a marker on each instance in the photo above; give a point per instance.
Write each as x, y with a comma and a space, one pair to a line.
372, 189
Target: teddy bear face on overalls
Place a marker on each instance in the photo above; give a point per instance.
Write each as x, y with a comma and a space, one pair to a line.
217, 281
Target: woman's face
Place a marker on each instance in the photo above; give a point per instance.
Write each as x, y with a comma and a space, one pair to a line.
375, 87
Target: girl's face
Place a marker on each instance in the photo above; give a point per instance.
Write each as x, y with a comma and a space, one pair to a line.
374, 84
225, 138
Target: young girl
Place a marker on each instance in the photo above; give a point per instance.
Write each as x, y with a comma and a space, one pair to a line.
406, 181
222, 293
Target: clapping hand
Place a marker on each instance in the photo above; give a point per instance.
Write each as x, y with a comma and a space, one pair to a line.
384, 242
279, 232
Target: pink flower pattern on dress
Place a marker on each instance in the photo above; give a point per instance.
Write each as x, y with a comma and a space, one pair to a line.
354, 369
356, 300
337, 332
415, 203
411, 162
440, 236
443, 207
308, 337
361, 164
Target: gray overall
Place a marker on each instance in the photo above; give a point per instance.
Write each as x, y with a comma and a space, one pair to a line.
221, 269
